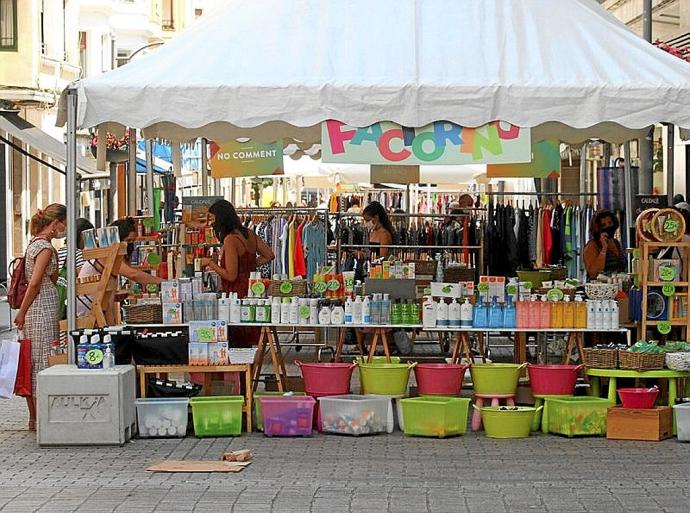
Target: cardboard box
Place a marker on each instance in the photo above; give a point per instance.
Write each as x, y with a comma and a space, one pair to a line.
635, 424
497, 287
172, 313
452, 290
673, 263
203, 331
170, 292
218, 353
198, 354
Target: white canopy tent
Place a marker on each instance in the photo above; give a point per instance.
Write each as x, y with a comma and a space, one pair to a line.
268, 68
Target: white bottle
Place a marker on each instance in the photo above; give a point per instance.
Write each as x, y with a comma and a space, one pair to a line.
386, 310
599, 315
108, 358
454, 314
614, 314
591, 315
235, 310
357, 312
285, 311
314, 312
366, 311
245, 312
376, 309
442, 314
275, 310
429, 313
224, 308
349, 307
337, 315
325, 314
466, 314
294, 311
260, 315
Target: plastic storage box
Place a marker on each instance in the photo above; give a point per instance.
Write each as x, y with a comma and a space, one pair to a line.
356, 414
217, 415
287, 415
258, 416
682, 412
435, 416
162, 417
574, 416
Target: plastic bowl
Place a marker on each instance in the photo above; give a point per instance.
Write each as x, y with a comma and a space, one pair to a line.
439, 378
638, 398
553, 379
322, 379
508, 421
385, 378
495, 378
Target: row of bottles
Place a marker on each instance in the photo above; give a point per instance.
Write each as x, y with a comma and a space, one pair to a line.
442, 314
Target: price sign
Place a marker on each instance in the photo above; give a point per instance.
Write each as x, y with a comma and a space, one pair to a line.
258, 288
554, 295
671, 226
668, 290
333, 285
483, 287
94, 356
151, 288
319, 287
304, 312
667, 273
512, 289
664, 327
204, 334
285, 287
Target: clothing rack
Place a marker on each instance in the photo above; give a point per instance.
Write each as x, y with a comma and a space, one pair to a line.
570, 194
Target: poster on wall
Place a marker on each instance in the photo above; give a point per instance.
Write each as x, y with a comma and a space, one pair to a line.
440, 143
250, 158
546, 163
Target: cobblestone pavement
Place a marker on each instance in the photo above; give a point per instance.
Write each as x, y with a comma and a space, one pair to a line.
338, 474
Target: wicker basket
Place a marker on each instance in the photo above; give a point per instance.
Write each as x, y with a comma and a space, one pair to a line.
298, 289
601, 291
597, 358
457, 274
679, 361
146, 313
641, 361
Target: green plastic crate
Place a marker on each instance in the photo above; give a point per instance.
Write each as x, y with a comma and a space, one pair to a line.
258, 417
577, 416
437, 416
217, 415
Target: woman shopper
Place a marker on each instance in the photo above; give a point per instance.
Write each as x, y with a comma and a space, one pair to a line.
38, 314
380, 228
603, 253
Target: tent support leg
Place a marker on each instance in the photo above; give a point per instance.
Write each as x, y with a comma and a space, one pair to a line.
72, 214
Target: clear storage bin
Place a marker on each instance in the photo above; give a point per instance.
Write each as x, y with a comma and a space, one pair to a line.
356, 414
164, 417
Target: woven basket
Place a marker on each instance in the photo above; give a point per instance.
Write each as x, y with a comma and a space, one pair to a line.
679, 361
601, 291
299, 288
641, 361
240, 355
597, 358
148, 313
457, 274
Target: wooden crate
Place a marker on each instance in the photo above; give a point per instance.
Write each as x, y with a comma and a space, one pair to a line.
634, 424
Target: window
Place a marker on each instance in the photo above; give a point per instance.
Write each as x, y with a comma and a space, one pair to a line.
82, 53
8, 25
122, 57
168, 18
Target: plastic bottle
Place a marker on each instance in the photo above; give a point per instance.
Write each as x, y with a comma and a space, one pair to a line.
337, 315
481, 315
521, 314
544, 313
591, 314
415, 313
605, 315
325, 314
366, 310
224, 308
442, 314
614, 313
349, 307
533, 313
429, 313
285, 311
495, 314
386, 310
275, 310
108, 358
568, 313
454, 314
599, 315
580, 320
396, 313
260, 311
294, 311
509, 313
235, 310
376, 309
466, 314
314, 311
439, 268
556, 315
405, 312
246, 311
357, 311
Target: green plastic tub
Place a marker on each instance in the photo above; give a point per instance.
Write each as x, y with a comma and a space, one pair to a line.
508, 421
258, 417
578, 416
217, 415
496, 378
385, 378
436, 416
376, 359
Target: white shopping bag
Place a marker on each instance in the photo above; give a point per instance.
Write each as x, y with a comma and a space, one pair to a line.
9, 360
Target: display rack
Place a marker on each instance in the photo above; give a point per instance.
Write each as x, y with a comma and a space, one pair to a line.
680, 282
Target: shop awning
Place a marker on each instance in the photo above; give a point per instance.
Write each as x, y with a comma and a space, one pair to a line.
12, 124
566, 69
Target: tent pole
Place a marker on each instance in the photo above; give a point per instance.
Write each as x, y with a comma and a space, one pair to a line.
72, 214
583, 172
629, 214
670, 160
149, 176
204, 168
132, 173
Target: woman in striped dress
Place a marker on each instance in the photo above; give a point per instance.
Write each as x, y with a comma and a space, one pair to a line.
38, 315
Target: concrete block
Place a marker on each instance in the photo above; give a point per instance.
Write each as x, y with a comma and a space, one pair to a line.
86, 407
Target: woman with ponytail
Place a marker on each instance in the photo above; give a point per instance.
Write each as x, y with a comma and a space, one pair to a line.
38, 314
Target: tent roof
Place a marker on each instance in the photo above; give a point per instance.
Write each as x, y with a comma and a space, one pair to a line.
270, 68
